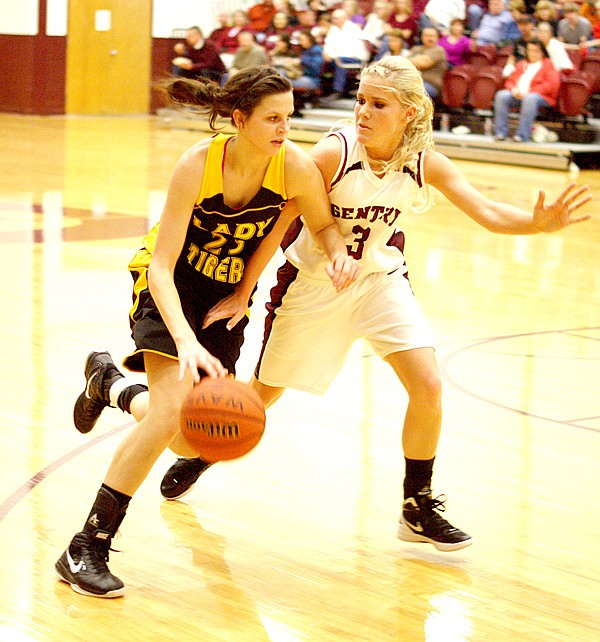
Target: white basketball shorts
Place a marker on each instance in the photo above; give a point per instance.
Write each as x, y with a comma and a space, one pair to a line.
314, 328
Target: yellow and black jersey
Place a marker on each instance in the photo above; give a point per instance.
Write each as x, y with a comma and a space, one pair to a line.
220, 239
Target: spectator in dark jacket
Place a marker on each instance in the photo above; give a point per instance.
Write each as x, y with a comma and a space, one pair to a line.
197, 57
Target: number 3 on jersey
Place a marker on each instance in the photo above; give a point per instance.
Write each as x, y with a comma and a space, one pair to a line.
355, 250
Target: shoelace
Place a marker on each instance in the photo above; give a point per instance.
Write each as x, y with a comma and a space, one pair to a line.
437, 503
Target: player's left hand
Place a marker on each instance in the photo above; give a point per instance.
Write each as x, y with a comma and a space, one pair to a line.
556, 215
232, 307
343, 271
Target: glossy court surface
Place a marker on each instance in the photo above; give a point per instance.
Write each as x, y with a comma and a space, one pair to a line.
296, 541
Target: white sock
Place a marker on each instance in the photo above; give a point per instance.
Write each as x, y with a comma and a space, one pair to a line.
117, 388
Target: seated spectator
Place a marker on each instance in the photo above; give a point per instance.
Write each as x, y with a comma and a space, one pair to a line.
439, 14
344, 47
219, 32
545, 11
573, 29
229, 40
533, 84
279, 25
591, 11
511, 32
311, 60
249, 53
475, 11
374, 29
197, 57
526, 26
307, 20
318, 6
394, 45
492, 24
404, 18
354, 15
260, 16
456, 45
555, 48
284, 58
287, 7
594, 43
430, 59
322, 27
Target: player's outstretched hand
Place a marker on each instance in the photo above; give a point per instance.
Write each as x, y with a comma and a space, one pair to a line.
233, 307
343, 271
192, 356
559, 214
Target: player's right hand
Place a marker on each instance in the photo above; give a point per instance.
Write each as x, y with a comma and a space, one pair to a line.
193, 356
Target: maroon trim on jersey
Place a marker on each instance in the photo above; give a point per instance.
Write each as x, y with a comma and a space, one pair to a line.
338, 177
292, 233
397, 240
286, 275
416, 176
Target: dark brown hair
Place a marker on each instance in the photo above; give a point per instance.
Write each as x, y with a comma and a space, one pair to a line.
242, 91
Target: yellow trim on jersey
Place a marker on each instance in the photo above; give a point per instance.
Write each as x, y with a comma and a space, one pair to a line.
212, 180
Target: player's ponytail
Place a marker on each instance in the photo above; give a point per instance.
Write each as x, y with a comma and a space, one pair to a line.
243, 91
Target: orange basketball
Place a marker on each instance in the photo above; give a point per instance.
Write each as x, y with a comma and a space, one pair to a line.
222, 418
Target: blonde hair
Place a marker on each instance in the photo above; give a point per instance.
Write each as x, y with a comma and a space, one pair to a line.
545, 4
406, 82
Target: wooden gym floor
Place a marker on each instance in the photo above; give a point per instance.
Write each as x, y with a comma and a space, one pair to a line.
296, 541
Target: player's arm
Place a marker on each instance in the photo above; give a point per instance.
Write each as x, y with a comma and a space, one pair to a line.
307, 189
181, 196
235, 306
503, 218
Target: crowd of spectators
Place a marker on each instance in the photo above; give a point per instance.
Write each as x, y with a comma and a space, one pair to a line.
319, 44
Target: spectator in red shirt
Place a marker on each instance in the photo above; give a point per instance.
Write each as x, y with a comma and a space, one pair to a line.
533, 84
260, 16
404, 18
279, 25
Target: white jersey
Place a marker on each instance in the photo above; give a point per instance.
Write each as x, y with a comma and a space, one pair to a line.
368, 210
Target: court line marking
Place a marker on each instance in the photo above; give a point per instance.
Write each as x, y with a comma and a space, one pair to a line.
445, 361
7, 505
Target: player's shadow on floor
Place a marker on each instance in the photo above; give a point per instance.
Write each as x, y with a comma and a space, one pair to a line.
208, 553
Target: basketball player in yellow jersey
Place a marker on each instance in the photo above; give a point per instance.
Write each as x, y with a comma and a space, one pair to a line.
223, 219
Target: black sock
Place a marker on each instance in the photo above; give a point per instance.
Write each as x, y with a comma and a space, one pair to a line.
121, 498
417, 475
108, 511
127, 395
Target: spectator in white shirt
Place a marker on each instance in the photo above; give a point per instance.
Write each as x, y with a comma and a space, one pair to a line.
345, 47
440, 13
556, 49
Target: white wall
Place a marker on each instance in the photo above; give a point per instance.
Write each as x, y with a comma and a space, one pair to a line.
21, 17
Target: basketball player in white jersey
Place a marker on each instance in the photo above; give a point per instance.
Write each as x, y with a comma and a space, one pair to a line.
374, 171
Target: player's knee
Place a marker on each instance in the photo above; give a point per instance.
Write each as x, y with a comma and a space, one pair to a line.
167, 418
427, 389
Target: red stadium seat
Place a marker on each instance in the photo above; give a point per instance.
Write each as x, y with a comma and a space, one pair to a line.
575, 93
591, 65
483, 56
486, 82
456, 85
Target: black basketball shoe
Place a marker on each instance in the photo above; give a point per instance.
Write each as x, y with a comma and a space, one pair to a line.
421, 522
181, 477
100, 373
83, 566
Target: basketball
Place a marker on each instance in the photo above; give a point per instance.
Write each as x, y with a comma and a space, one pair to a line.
222, 419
